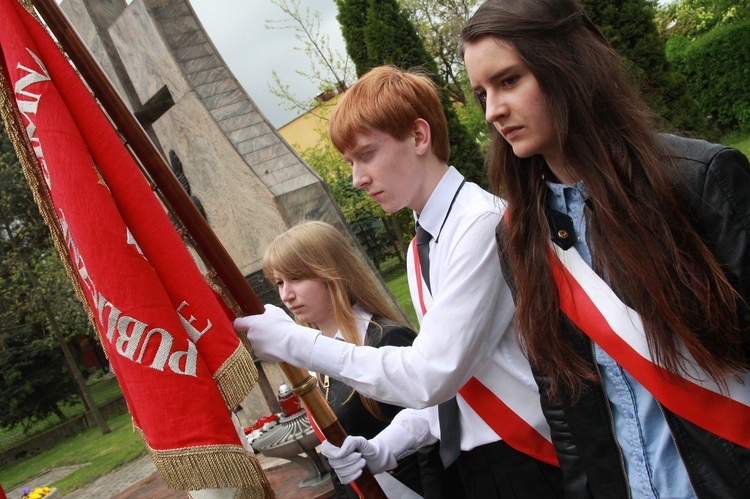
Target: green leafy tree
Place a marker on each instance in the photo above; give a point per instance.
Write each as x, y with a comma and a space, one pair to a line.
352, 18
438, 24
379, 32
693, 18
630, 27
717, 67
34, 380
328, 68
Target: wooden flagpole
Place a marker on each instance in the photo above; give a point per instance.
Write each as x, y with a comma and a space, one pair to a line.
212, 250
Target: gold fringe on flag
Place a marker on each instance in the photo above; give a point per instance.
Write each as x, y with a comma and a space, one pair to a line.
236, 377
213, 467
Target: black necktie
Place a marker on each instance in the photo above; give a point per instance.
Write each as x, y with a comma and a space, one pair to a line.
423, 249
450, 432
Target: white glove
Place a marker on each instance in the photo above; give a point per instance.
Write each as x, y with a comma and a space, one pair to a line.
275, 337
349, 459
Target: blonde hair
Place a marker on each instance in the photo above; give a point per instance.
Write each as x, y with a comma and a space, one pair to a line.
389, 100
317, 250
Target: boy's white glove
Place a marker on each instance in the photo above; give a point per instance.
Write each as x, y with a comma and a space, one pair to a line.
349, 459
275, 337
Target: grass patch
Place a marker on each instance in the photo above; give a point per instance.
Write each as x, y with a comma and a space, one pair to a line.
739, 141
104, 452
103, 390
399, 286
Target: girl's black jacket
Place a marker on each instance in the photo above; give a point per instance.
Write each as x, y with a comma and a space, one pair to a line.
712, 183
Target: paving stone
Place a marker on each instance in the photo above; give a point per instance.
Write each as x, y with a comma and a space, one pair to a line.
139, 479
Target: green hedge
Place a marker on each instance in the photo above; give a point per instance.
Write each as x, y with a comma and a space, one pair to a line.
717, 68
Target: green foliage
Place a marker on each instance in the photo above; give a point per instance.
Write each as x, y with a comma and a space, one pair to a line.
328, 68
739, 141
629, 26
103, 391
717, 68
438, 24
33, 380
399, 286
352, 17
693, 18
379, 32
103, 452
390, 38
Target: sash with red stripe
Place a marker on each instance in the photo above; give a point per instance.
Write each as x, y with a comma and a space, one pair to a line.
506, 423
597, 311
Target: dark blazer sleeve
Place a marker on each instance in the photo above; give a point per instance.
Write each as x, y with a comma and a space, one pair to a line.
396, 335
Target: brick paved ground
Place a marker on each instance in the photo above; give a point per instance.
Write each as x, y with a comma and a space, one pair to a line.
139, 479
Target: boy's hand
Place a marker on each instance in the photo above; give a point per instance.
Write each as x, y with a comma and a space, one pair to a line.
349, 459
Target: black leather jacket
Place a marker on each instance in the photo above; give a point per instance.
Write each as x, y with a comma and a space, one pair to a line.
712, 182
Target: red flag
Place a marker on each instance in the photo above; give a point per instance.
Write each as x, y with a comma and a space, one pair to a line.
176, 356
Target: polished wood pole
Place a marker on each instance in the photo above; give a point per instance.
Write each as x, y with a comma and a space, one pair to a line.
211, 249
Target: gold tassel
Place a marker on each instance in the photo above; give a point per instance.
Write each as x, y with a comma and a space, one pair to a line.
236, 377
213, 467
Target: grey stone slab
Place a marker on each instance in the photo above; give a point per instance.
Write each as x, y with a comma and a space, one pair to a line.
216, 88
286, 161
208, 76
292, 185
177, 23
44, 479
287, 173
247, 133
224, 99
193, 52
202, 64
169, 9
267, 154
238, 122
232, 110
187, 38
118, 480
262, 141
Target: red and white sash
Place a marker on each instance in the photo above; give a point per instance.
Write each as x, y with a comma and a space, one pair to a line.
597, 311
502, 419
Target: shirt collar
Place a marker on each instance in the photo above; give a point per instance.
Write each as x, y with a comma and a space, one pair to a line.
436, 208
362, 317
562, 194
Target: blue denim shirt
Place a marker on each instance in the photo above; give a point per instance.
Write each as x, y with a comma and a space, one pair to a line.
653, 466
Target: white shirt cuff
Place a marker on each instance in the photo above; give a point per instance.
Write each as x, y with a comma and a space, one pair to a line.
327, 355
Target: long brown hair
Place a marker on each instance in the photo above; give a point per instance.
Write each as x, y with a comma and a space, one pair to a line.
639, 236
317, 250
